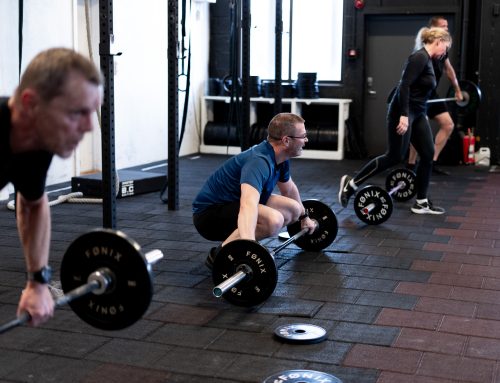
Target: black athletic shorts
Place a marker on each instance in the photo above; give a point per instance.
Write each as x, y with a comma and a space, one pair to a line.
217, 222
435, 108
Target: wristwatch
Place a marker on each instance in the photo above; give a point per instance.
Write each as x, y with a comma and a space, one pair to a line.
43, 275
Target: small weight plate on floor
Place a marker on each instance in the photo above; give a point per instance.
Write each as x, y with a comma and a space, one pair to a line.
327, 229
259, 284
407, 178
131, 290
300, 333
302, 376
373, 205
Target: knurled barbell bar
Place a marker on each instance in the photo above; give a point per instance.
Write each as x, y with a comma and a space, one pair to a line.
244, 271
106, 279
373, 205
471, 97
461, 103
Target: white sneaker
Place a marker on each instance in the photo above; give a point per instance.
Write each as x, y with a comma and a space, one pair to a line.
426, 208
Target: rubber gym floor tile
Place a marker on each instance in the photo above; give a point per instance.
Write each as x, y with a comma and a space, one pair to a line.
364, 333
457, 368
332, 294
372, 284
129, 352
408, 318
283, 306
424, 289
448, 306
185, 335
348, 312
115, 373
431, 341
251, 343
393, 377
383, 358
475, 295
404, 275
393, 300
183, 314
48, 368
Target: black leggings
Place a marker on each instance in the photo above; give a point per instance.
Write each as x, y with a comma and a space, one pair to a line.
420, 134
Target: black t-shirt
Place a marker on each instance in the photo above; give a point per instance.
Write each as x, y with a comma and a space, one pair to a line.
438, 65
417, 83
26, 171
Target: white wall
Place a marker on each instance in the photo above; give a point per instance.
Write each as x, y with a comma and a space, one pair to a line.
140, 31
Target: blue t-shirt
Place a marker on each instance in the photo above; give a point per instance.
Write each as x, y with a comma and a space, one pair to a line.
255, 166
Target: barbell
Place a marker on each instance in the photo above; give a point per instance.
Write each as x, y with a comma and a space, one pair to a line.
106, 279
373, 205
244, 271
471, 97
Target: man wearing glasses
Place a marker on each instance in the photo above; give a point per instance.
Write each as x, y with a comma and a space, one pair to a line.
237, 200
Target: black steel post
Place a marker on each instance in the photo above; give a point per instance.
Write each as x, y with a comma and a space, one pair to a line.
173, 107
245, 75
278, 56
107, 115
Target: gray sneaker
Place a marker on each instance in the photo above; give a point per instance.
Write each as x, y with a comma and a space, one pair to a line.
345, 190
426, 208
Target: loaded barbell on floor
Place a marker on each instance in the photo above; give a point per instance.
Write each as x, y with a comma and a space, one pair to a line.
106, 279
373, 205
244, 271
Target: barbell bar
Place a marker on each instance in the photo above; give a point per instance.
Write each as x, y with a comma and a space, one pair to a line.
118, 280
244, 271
461, 103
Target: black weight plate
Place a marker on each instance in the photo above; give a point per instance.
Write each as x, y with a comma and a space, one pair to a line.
300, 333
327, 229
407, 177
302, 376
128, 296
473, 92
380, 202
257, 286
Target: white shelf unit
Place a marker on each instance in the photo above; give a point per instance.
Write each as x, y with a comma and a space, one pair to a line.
296, 104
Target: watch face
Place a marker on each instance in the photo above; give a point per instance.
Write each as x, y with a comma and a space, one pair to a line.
46, 274
43, 275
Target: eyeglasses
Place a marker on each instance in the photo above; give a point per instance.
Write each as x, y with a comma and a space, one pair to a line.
304, 136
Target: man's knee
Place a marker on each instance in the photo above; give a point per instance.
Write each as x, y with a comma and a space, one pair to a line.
274, 223
446, 123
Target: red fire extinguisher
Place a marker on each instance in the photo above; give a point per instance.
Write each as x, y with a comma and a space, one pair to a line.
469, 145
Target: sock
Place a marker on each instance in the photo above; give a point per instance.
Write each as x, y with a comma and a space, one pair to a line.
421, 201
353, 185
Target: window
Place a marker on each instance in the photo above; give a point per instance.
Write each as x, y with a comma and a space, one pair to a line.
314, 28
